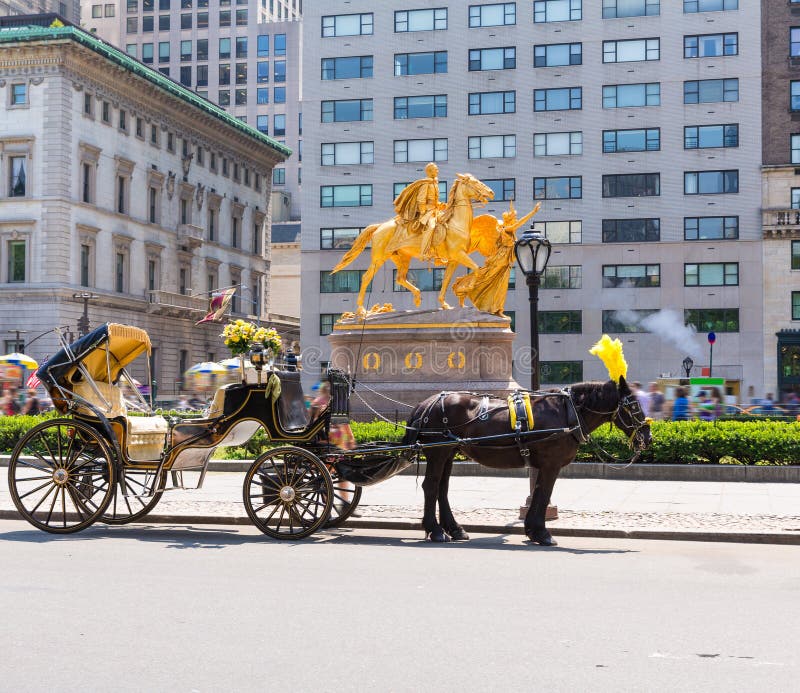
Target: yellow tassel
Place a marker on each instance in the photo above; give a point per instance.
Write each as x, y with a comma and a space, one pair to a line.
609, 351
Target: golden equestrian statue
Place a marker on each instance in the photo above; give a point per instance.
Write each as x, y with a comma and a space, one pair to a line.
422, 231
487, 286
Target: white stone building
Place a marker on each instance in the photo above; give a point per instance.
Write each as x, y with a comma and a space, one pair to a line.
122, 184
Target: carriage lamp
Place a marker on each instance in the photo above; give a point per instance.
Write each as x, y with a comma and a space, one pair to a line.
258, 358
688, 363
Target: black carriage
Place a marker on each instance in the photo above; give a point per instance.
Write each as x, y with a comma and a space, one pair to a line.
111, 458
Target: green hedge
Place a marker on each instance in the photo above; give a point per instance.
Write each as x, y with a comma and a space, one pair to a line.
681, 442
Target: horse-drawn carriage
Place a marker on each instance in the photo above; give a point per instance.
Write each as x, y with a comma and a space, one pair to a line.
111, 458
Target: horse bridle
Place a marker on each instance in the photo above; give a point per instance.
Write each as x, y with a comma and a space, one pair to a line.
629, 407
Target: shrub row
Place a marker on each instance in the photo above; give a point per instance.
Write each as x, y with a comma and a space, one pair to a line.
682, 442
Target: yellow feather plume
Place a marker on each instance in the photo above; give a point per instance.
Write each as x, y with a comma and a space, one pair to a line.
609, 351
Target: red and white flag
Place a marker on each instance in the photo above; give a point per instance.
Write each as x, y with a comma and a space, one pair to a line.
33, 382
218, 304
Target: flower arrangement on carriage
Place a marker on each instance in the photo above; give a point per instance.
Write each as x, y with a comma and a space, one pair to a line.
242, 337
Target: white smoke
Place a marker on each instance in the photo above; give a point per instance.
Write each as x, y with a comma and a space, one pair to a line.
668, 325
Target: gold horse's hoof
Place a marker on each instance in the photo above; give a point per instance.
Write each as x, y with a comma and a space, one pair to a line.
445, 305
417, 300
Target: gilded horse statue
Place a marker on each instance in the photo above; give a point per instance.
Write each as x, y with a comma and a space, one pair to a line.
394, 240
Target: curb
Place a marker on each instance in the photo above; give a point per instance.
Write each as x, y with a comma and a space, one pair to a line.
415, 525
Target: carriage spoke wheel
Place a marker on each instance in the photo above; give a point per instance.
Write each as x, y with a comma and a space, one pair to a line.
61, 476
288, 493
137, 493
346, 497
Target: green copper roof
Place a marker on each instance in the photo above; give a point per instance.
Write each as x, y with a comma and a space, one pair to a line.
39, 33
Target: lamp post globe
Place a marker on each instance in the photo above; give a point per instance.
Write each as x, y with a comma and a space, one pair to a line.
688, 363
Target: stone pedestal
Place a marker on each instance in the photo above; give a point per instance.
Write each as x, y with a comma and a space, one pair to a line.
405, 356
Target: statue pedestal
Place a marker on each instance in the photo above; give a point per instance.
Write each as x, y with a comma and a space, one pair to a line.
407, 356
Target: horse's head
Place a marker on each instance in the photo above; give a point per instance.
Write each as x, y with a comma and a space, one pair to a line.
630, 419
475, 189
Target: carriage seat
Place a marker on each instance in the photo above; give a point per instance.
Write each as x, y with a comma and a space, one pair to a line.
146, 435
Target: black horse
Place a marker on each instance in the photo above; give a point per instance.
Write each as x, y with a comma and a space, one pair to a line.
565, 419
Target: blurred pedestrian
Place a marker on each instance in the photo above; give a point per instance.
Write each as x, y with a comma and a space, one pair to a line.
656, 402
32, 406
681, 409
643, 397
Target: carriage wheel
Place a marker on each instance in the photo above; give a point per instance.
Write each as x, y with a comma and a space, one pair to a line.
288, 493
346, 497
61, 476
137, 483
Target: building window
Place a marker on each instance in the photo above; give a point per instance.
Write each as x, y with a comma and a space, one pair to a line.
795, 305
423, 279
186, 21
279, 124
105, 112
279, 71
690, 6
262, 96
492, 147
557, 54
147, 53
794, 141
132, 49
120, 273
16, 261
279, 44
279, 94
631, 230
496, 14
628, 321
241, 73
563, 277
710, 136
710, 45
631, 276
795, 95
343, 282
434, 106
19, 94
152, 274
202, 75
556, 11
85, 264
397, 188
262, 46
505, 189
558, 188
560, 372
163, 52
630, 8
562, 99
794, 42
345, 195
420, 20
213, 216
153, 205
147, 25
346, 110
122, 194
170, 142
241, 47
338, 238
262, 71
355, 67
347, 25
420, 63
154, 135
224, 17
710, 182
224, 49
202, 20
632, 50
327, 321
347, 153
710, 90
186, 51
632, 95
710, 228
88, 105
224, 71
795, 198
406, 151
711, 274
17, 176
491, 102
632, 185
557, 143
648, 140
560, 231
262, 123
163, 22
712, 319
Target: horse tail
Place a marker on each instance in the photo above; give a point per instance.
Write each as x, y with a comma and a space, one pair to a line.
358, 245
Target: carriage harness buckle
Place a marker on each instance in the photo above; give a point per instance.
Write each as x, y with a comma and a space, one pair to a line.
520, 415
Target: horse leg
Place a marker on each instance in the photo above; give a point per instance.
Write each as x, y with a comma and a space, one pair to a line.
435, 463
459, 257
535, 528
402, 262
455, 530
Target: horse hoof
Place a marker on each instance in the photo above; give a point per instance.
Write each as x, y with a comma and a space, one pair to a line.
459, 535
542, 538
438, 536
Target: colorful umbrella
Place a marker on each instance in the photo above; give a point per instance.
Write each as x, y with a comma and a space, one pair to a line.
206, 368
235, 363
17, 359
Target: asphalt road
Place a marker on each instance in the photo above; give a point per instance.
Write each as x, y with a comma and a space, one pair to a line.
212, 608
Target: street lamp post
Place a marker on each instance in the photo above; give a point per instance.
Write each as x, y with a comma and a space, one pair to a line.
19, 346
532, 251
83, 321
688, 363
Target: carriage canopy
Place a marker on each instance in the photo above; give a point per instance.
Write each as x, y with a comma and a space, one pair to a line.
104, 352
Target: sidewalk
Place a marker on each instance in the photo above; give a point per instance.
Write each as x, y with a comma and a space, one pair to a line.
699, 510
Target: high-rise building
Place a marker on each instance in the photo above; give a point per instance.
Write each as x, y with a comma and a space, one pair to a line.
780, 33
636, 124
124, 197
242, 55
69, 9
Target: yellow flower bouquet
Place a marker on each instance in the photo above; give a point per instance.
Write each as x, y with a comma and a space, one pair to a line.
239, 336
269, 339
